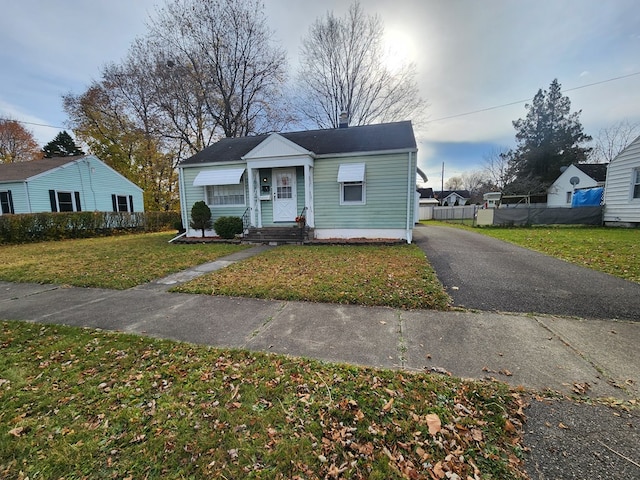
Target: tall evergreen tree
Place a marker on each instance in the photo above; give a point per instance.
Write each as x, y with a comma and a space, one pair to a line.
62, 146
548, 138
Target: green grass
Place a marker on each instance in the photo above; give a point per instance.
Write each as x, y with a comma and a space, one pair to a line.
611, 250
394, 276
76, 403
118, 262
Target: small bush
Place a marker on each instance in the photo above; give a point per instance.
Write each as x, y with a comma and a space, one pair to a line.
228, 227
200, 216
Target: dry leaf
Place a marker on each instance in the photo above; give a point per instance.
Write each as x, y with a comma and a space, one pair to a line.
437, 469
434, 424
476, 434
16, 432
388, 406
563, 426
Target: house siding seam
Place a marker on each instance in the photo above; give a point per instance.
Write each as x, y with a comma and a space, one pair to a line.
619, 204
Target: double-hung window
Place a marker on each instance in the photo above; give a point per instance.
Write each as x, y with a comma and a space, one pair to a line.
225, 195
222, 187
122, 203
65, 201
636, 183
351, 177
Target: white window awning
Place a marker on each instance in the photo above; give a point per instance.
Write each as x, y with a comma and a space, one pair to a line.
229, 176
351, 172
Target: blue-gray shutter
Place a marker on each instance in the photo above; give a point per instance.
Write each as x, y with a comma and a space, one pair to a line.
114, 202
131, 203
52, 199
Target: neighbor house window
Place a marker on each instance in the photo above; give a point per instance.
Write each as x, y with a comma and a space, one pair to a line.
122, 203
569, 195
636, 183
225, 195
6, 202
351, 177
64, 201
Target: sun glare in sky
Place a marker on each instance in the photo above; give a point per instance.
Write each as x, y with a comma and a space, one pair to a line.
399, 49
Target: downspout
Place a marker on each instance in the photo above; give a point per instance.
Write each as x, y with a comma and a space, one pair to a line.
183, 201
26, 191
410, 197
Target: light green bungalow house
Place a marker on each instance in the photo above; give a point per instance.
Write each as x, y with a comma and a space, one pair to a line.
66, 184
348, 182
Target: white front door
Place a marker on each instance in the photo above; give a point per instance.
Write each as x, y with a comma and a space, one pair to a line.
284, 195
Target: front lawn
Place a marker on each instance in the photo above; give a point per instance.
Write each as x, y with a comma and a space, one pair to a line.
118, 262
611, 250
82, 404
394, 276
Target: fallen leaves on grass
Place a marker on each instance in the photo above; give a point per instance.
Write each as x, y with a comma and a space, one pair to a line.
145, 408
117, 262
394, 276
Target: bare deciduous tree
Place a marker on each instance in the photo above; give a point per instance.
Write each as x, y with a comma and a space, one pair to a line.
496, 167
454, 183
342, 70
223, 50
205, 69
17, 143
612, 140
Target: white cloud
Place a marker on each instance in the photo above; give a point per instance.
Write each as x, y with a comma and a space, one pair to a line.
470, 55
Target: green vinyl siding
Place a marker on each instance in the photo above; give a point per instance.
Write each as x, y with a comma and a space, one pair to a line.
386, 186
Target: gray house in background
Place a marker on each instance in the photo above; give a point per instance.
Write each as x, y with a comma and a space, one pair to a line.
66, 184
622, 188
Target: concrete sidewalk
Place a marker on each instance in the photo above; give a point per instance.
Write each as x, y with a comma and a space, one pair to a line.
596, 358
538, 352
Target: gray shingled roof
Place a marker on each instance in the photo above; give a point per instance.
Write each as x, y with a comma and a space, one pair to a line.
367, 138
21, 171
597, 171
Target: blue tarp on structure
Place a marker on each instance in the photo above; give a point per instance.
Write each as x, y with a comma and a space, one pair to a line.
588, 197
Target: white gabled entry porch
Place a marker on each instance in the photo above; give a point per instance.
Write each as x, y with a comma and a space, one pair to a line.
274, 183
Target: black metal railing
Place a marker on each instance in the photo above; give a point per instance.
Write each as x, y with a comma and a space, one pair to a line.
302, 224
246, 220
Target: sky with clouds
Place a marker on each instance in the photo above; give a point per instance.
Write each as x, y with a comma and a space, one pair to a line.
478, 61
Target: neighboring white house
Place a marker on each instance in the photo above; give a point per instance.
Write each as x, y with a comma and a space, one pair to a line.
66, 184
622, 188
577, 176
452, 198
492, 199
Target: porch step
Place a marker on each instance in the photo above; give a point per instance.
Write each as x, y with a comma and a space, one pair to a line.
279, 235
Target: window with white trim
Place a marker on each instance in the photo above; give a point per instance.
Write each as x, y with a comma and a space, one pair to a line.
351, 177
225, 195
122, 203
352, 192
636, 183
64, 201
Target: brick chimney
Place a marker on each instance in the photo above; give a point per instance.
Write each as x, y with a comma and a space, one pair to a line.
344, 120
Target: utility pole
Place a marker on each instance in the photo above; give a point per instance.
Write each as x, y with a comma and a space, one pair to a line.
441, 186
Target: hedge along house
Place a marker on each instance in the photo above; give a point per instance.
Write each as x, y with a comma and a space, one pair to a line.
66, 184
348, 182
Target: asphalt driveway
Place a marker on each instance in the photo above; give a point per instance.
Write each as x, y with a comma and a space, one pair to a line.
484, 273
